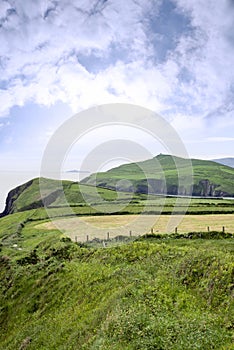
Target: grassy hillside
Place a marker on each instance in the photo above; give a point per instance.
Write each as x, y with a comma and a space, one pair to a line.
150, 294
209, 178
82, 199
30, 196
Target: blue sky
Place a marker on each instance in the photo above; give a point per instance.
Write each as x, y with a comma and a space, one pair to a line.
60, 57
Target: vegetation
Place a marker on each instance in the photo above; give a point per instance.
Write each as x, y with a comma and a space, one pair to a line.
148, 294
161, 174
86, 199
79, 228
158, 291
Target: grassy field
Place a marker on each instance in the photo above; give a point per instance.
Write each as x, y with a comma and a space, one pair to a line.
115, 225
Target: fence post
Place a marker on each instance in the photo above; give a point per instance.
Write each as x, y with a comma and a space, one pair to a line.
176, 230
208, 228
108, 235
223, 229
130, 233
87, 238
152, 230
76, 239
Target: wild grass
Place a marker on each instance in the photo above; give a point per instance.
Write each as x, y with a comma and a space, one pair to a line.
143, 295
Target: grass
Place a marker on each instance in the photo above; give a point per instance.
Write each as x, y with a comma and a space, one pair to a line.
143, 295
98, 226
163, 167
78, 199
149, 293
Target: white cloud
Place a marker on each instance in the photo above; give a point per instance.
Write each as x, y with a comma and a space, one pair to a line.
41, 46
208, 52
48, 49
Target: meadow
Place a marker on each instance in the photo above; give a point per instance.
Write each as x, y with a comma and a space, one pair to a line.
90, 227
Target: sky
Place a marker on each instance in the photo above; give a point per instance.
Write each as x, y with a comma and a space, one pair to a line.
58, 58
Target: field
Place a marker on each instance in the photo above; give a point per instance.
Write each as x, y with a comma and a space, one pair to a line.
99, 226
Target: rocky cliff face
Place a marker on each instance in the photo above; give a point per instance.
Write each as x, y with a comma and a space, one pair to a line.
12, 196
204, 188
37, 202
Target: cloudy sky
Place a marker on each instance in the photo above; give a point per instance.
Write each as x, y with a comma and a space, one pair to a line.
60, 57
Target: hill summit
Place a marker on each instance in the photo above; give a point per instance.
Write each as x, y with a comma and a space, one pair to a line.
171, 175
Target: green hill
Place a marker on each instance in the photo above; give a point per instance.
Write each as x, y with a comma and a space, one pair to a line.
72, 198
132, 182
41, 192
161, 176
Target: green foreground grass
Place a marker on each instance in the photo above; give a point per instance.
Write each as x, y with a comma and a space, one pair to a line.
148, 294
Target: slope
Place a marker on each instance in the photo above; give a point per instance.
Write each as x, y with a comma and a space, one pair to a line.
149, 294
74, 199
160, 175
41, 192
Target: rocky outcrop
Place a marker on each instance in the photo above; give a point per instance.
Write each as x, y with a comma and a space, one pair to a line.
12, 196
204, 188
207, 189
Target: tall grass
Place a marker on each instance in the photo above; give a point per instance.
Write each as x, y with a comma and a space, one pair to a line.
163, 294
